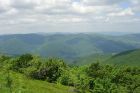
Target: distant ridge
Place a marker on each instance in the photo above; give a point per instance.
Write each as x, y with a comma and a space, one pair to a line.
124, 53
131, 57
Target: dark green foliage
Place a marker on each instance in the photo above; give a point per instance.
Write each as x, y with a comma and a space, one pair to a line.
114, 79
93, 78
2, 59
22, 62
95, 70
50, 70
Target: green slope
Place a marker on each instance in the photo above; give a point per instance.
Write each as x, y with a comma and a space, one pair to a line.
22, 84
91, 59
131, 57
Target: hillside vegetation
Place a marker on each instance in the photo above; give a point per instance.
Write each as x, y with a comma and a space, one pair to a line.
22, 84
32, 74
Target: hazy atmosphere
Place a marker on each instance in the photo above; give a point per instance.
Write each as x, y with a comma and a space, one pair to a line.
31, 16
69, 46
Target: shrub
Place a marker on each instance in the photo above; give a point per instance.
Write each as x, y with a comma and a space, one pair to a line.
22, 62
50, 70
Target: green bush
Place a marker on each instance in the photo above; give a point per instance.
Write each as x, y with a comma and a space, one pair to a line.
50, 70
22, 62
93, 78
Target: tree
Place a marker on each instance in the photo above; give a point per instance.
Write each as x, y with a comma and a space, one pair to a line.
95, 70
50, 70
22, 62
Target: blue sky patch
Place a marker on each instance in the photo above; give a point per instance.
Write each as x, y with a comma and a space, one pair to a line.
125, 5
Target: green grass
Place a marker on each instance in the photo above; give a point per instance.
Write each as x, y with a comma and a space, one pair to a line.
22, 84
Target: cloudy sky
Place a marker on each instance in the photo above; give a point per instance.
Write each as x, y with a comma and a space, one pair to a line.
30, 16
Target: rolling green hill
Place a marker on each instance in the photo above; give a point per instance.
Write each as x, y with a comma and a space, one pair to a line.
131, 57
91, 59
67, 46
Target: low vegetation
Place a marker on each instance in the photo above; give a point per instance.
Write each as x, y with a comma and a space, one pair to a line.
32, 74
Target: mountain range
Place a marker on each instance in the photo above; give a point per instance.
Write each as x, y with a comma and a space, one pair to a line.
68, 46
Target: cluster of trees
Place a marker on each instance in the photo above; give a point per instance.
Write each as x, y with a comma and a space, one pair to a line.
93, 78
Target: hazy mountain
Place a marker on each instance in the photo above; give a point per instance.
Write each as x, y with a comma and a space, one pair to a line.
68, 46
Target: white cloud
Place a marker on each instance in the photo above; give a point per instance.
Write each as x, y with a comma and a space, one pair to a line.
12, 11
44, 12
135, 1
4, 5
125, 12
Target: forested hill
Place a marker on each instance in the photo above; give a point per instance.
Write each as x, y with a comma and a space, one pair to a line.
131, 57
67, 46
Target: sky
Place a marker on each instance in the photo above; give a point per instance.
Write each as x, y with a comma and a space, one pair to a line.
33, 16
